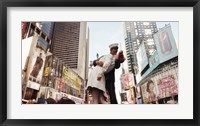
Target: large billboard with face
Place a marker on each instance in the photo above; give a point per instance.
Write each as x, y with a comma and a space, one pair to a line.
149, 92
165, 44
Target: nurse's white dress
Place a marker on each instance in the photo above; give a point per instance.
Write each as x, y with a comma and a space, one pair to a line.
108, 65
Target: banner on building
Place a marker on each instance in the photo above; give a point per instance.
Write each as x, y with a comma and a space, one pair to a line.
167, 86
153, 63
47, 71
148, 92
37, 66
71, 78
165, 44
127, 81
142, 57
138, 92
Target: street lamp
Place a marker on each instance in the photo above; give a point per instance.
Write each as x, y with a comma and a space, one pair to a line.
97, 55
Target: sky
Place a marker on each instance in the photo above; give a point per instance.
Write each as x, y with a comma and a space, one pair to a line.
102, 34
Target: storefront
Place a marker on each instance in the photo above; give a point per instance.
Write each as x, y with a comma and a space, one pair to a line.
161, 86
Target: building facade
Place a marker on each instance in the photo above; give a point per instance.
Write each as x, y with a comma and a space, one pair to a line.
69, 44
135, 33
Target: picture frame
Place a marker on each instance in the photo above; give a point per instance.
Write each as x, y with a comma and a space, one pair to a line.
105, 3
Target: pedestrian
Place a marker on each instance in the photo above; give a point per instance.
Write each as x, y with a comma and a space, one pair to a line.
110, 74
50, 101
41, 100
65, 100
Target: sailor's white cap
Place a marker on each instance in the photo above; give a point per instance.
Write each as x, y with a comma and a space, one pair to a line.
113, 45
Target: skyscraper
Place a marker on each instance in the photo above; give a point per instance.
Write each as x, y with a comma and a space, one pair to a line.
69, 44
135, 33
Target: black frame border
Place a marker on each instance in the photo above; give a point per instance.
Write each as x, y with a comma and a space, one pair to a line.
100, 3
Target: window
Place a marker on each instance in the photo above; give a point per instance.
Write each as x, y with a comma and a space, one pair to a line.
148, 31
145, 23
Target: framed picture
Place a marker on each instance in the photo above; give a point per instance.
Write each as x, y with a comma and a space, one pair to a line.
157, 80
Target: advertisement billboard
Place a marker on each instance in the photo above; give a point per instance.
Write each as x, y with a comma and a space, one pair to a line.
37, 66
138, 92
149, 94
36, 59
167, 86
127, 81
142, 57
73, 79
165, 44
153, 63
58, 84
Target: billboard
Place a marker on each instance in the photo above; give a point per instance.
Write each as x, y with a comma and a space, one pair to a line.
138, 92
167, 86
165, 44
153, 63
127, 81
33, 59
37, 66
149, 92
142, 57
71, 78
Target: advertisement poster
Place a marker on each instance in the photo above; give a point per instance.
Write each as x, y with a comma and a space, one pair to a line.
165, 44
167, 86
131, 96
37, 66
144, 93
37, 60
153, 63
148, 92
71, 78
127, 81
58, 84
138, 93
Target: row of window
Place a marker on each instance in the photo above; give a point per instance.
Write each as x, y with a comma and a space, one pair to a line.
66, 36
